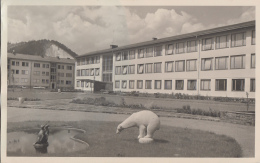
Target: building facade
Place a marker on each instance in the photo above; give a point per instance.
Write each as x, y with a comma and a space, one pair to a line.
215, 62
36, 71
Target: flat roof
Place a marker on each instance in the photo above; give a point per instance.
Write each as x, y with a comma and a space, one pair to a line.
177, 37
39, 58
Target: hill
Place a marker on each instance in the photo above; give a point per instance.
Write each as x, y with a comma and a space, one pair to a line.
42, 48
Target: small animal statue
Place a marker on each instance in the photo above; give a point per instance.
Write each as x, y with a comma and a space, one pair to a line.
147, 122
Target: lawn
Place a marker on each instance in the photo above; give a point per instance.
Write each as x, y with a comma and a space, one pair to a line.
169, 141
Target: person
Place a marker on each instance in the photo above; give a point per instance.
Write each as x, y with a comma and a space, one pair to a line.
46, 134
40, 135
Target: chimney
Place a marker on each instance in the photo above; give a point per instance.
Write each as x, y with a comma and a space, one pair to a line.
113, 46
154, 38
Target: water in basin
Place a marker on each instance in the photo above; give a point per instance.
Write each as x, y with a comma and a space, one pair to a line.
21, 143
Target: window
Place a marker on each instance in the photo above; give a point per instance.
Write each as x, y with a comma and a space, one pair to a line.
191, 65
37, 65
91, 60
47, 66
47, 81
149, 52
124, 84
16, 71
69, 67
97, 71
207, 44
180, 47
158, 51
238, 39
131, 69
68, 74
179, 66
221, 84
118, 70
36, 73
139, 84
25, 72
117, 84
78, 72
148, 84
47, 73
132, 54
192, 46
140, 53
82, 84
98, 59
205, 85
148, 68
140, 68
206, 64
158, 67
17, 63
92, 72
125, 55
237, 62
58, 66
179, 84
86, 84
43, 73
87, 60
157, 84
124, 70
252, 85
253, 37
36, 80
131, 84
24, 80
82, 62
53, 70
169, 49
87, 72
68, 82
238, 84
83, 72
222, 42
107, 77
78, 83
168, 84
192, 84
252, 60
78, 62
13, 63
221, 63
43, 81
169, 66
118, 56
25, 64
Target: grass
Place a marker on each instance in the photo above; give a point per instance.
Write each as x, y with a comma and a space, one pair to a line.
169, 141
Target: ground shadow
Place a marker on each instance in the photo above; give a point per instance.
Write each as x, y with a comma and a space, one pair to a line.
161, 141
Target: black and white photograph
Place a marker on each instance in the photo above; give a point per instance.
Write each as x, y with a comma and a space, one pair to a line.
122, 80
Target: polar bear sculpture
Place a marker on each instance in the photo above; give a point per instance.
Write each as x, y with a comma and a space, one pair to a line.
147, 122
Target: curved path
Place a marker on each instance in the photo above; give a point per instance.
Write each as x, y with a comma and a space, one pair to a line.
244, 135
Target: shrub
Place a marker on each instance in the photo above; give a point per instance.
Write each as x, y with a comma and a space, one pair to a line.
188, 110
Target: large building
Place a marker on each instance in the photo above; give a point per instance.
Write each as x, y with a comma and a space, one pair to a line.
214, 62
36, 71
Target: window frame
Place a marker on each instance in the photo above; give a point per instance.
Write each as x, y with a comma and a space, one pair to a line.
244, 39
177, 84
252, 89
191, 80
243, 61
130, 84
217, 86
189, 60
226, 63
137, 86
129, 69
117, 82
202, 87
177, 47
124, 81
232, 88
158, 52
155, 84
166, 64
155, 70
216, 42
146, 68
189, 46
146, 86
251, 64
166, 51
166, 85
211, 67
204, 43
183, 65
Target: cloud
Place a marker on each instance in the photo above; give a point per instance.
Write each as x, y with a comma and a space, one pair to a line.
86, 29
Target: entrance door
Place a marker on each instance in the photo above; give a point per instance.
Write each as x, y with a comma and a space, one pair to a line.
53, 86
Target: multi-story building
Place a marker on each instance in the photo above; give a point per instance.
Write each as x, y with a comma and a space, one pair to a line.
214, 62
36, 71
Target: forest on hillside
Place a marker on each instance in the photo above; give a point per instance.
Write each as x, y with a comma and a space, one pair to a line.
37, 47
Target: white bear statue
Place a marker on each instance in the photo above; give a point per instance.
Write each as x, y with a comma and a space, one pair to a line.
147, 122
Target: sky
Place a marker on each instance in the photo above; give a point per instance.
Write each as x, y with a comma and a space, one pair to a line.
85, 29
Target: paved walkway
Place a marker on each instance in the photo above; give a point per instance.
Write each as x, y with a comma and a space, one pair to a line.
244, 135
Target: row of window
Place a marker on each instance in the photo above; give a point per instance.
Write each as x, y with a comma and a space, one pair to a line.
237, 39
17, 63
205, 84
88, 72
88, 60
85, 84
221, 63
